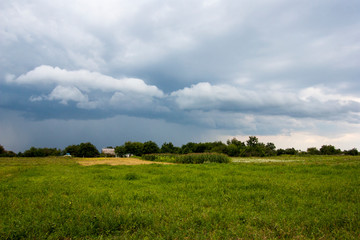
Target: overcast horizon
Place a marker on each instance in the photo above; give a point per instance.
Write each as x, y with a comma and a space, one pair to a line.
112, 71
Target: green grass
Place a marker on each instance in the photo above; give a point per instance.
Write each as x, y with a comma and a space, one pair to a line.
55, 198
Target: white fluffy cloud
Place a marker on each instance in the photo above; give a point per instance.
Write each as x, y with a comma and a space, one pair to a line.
65, 94
85, 80
88, 89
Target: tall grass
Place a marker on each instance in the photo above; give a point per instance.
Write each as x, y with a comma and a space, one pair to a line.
44, 199
202, 158
194, 158
162, 157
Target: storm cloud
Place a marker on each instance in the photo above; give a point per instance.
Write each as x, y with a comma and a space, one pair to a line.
225, 68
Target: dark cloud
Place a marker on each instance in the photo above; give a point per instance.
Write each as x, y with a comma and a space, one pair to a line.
221, 66
82, 94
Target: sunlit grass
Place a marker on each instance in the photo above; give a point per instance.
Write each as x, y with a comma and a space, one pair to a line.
313, 198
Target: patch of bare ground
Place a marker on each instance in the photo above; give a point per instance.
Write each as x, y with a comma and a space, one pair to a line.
115, 161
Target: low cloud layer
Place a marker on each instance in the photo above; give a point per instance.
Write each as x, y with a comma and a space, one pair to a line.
312, 102
93, 90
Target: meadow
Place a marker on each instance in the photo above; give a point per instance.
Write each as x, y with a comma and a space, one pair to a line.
316, 197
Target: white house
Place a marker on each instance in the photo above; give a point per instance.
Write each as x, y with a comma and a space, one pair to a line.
108, 151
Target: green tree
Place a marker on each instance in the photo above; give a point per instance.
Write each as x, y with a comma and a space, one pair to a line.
188, 148
313, 151
353, 152
32, 152
134, 148
10, 154
270, 149
253, 148
72, 149
168, 148
252, 142
4, 153
280, 151
233, 150
200, 147
291, 151
329, 150
82, 150
287, 151
87, 150
2, 149
217, 147
235, 142
150, 147
120, 151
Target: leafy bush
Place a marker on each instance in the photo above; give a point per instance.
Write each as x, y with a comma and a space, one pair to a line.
160, 157
150, 157
196, 158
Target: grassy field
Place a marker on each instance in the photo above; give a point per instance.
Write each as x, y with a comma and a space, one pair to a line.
286, 198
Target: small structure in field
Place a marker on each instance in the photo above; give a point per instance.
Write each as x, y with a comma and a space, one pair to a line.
108, 152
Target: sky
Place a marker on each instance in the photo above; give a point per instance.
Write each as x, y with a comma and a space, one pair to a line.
179, 71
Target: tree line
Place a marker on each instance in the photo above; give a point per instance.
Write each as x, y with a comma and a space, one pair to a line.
81, 150
233, 148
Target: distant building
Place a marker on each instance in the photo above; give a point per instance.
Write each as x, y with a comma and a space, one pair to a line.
108, 151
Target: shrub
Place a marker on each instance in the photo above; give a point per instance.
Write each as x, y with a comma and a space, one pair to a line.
160, 157
150, 157
196, 158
